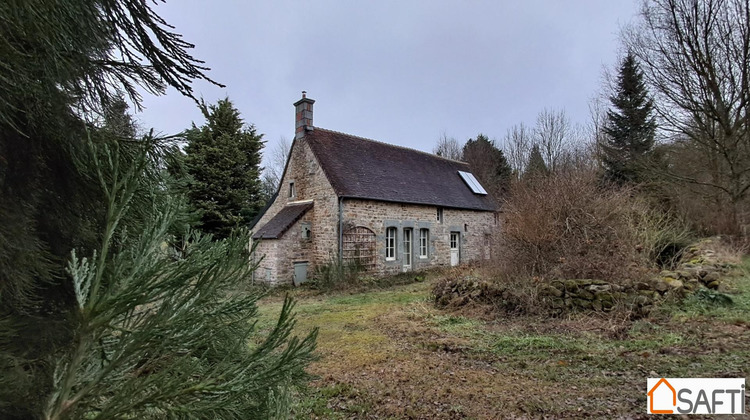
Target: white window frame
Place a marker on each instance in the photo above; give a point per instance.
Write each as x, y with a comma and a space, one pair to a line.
292, 189
390, 244
424, 241
408, 246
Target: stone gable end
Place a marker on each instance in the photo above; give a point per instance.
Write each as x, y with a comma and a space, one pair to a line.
277, 256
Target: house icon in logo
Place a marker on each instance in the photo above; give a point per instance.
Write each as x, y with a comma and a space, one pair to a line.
652, 391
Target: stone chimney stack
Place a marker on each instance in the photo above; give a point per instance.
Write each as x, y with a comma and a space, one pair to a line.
303, 116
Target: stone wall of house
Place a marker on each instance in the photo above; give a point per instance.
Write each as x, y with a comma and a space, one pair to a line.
475, 229
310, 183
280, 255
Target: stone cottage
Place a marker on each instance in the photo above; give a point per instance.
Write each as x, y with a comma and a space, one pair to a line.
387, 208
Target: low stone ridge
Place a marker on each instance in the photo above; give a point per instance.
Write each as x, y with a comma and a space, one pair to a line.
700, 269
582, 294
462, 291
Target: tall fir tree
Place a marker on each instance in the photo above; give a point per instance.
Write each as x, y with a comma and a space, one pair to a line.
630, 126
535, 167
223, 159
488, 163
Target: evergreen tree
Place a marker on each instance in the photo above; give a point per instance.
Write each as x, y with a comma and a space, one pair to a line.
536, 166
160, 335
488, 164
111, 335
223, 158
630, 127
65, 63
87, 52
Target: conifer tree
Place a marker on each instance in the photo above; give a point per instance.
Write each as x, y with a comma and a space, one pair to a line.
223, 158
488, 164
161, 335
123, 328
629, 128
536, 166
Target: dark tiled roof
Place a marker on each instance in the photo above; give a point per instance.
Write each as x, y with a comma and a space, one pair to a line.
283, 220
362, 168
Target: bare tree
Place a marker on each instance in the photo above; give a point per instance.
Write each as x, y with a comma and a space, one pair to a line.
516, 146
597, 118
274, 170
580, 151
695, 55
448, 147
553, 135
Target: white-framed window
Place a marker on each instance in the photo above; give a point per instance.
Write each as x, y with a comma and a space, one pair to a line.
292, 190
407, 246
424, 238
440, 215
390, 244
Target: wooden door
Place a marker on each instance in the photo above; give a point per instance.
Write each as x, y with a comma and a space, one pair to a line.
455, 257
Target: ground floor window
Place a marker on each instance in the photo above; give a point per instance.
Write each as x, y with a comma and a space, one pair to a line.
390, 244
424, 235
407, 247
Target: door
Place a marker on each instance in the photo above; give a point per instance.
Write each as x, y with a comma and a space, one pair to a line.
407, 249
300, 273
454, 248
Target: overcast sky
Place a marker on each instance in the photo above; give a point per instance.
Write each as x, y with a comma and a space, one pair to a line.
402, 72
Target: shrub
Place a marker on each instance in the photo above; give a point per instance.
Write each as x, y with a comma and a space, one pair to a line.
335, 275
566, 226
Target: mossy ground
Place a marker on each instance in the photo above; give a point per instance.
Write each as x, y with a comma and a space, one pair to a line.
391, 354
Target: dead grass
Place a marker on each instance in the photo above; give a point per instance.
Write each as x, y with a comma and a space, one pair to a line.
392, 354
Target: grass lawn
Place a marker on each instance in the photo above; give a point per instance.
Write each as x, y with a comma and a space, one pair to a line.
391, 354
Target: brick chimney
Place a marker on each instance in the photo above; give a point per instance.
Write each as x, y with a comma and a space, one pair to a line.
303, 115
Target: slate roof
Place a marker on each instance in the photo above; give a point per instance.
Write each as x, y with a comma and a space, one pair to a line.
283, 220
361, 168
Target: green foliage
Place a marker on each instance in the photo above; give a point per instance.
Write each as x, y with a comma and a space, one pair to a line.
712, 297
630, 126
50, 206
162, 336
536, 166
488, 163
65, 63
223, 159
149, 323
88, 51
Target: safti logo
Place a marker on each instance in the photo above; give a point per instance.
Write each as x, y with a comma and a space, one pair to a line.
696, 395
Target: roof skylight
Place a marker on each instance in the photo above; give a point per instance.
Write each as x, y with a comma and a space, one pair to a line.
472, 182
